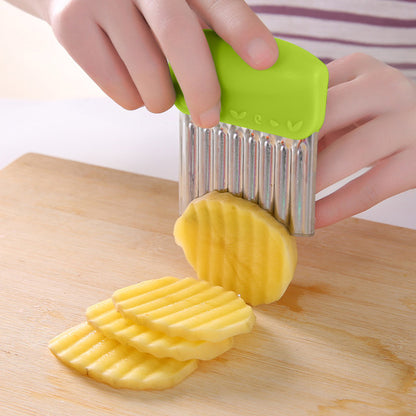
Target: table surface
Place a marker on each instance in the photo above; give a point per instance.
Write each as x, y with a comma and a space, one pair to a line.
341, 341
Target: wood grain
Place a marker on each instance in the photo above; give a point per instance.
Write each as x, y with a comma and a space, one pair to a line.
342, 340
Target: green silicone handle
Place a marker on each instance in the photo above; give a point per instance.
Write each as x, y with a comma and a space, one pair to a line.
287, 99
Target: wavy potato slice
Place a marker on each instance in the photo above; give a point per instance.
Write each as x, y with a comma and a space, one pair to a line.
106, 360
234, 243
186, 308
105, 317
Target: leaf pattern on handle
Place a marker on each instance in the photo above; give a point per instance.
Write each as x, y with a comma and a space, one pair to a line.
294, 127
238, 115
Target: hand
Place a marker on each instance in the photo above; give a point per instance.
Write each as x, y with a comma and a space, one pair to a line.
124, 46
370, 122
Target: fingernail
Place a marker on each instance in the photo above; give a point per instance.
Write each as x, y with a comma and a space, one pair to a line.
211, 117
260, 53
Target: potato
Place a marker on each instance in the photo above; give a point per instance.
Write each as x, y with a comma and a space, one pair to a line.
234, 243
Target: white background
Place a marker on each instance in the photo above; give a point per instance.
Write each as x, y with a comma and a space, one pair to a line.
48, 105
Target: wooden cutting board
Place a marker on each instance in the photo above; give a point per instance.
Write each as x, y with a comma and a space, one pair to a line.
342, 341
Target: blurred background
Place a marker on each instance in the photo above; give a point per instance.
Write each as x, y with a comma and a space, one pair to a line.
49, 106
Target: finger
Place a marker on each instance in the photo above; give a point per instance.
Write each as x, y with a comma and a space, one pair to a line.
365, 145
141, 54
238, 25
390, 177
366, 97
91, 48
349, 67
332, 136
183, 42
350, 102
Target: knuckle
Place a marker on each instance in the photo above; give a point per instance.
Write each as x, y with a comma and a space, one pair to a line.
401, 89
361, 59
210, 7
67, 19
216, 7
234, 18
64, 18
168, 25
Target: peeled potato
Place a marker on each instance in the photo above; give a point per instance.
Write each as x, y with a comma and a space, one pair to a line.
234, 243
186, 308
93, 354
104, 317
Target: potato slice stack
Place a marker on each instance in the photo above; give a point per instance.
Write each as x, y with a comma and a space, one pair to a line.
150, 335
